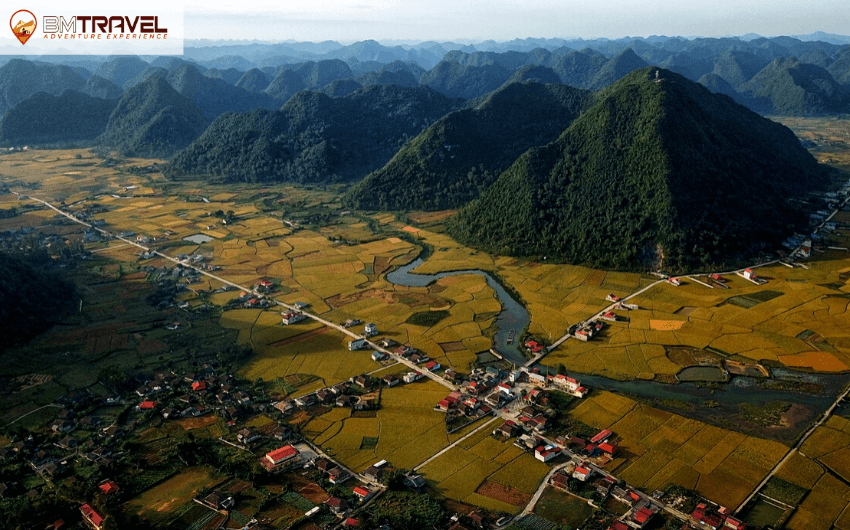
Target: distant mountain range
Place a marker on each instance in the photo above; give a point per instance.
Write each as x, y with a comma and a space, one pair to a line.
572, 150
779, 75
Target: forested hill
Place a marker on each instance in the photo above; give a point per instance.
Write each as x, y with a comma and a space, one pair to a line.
314, 138
43, 118
658, 172
152, 119
31, 297
458, 157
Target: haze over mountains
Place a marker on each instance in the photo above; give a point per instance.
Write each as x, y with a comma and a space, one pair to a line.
781, 75
517, 135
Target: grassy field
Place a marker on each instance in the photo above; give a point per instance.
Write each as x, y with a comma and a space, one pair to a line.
658, 448
563, 508
155, 504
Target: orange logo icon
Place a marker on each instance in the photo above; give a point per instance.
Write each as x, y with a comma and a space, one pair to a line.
23, 25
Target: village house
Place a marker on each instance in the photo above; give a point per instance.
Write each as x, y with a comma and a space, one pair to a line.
91, 518
247, 436
219, 501
362, 493
338, 475
370, 330
411, 377
291, 317
547, 453
582, 473
357, 344
379, 356
376, 471
390, 380
337, 505
278, 458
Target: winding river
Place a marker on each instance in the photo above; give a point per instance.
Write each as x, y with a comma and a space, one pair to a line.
511, 321
740, 389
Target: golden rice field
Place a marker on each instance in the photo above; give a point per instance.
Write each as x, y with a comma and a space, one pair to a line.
406, 426
824, 471
658, 448
459, 472
749, 323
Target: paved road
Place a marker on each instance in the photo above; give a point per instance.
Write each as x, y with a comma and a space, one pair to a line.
462, 438
827, 413
341, 329
30, 412
529, 508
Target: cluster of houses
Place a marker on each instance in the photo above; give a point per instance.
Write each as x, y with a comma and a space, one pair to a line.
716, 517
355, 394
586, 330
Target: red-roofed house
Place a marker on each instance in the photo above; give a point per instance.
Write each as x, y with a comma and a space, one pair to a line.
91, 517
454, 397
642, 516
749, 274
609, 449
147, 405
619, 525
545, 454
108, 486
199, 385
351, 522
444, 404
280, 456
582, 473
362, 493
601, 436
733, 524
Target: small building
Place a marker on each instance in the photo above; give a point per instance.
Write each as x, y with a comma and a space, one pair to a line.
547, 453
509, 429
433, 366
363, 494
609, 448
147, 405
275, 459
749, 274
610, 316
410, 377
248, 435
643, 516
337, 505
370, 329
338, 475
613, 298
390, 380
291, 317
108, 487
601, 436
219, 501
91, 518
379, 356
357, 344
582, 473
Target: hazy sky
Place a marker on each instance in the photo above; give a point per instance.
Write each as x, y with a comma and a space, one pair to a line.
352, 20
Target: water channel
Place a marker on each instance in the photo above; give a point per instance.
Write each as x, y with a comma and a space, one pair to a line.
740, 389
